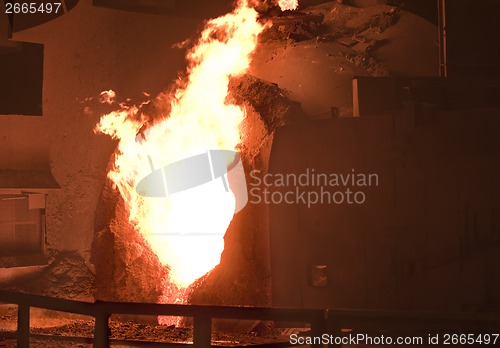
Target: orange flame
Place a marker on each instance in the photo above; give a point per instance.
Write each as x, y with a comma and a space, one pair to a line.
186, 229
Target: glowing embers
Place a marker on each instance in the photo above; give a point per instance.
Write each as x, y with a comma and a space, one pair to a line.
288, 5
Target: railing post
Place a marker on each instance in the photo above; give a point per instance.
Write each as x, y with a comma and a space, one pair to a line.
23, 326
318, 327
202, 331
101, 330
333, 328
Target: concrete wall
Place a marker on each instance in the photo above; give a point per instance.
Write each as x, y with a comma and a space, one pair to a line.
88, 50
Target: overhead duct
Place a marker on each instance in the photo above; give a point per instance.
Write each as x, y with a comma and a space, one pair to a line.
22, 62
21, 73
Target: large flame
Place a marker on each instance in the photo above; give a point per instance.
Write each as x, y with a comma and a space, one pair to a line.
186, 229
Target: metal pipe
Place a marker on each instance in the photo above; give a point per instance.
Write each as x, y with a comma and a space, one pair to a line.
443, 59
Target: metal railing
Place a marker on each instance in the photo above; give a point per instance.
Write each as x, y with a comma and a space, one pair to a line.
321, 321
202, 315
